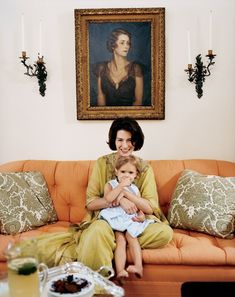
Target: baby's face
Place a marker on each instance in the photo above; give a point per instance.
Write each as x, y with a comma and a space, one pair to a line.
126, 172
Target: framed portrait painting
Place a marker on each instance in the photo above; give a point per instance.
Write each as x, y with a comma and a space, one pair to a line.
120, 63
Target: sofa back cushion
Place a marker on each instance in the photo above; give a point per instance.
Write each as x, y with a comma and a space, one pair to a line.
67, 180
167, 173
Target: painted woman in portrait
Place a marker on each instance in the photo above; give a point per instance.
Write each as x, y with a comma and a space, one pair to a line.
119, 81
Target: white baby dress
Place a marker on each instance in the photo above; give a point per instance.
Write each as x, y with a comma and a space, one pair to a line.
121, 221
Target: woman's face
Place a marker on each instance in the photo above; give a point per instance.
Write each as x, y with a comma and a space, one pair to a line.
123, 143
122, 45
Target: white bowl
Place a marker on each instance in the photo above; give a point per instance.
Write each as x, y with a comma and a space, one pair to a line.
87, 291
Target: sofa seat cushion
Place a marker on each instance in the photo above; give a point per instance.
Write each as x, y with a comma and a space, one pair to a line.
192, 248
59, 226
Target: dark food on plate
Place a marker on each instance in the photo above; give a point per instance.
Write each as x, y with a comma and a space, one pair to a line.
70, 284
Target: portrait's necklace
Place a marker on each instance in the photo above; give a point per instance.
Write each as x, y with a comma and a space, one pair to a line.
117, 75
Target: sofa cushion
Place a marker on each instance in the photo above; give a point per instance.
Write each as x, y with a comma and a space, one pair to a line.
189, 247
25, 202
204, 203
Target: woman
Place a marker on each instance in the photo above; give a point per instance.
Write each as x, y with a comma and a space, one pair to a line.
97, 242
119, 81
93, 241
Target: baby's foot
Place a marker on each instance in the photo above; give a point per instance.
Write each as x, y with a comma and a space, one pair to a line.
122, 276
138, 271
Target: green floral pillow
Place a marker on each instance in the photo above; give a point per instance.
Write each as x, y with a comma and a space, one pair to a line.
204, 203
25, 202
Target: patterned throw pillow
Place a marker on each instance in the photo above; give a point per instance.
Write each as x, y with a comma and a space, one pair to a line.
25, 202
204, 203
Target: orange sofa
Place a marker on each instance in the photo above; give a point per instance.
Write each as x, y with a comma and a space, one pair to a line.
190, 256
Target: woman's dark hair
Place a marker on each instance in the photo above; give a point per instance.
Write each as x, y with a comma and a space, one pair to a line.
113, 37
130, 125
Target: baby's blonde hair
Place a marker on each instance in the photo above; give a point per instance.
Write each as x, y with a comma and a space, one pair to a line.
122, 160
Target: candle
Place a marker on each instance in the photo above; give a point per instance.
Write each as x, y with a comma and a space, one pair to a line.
189, 48
40, 38
22, 33
210, 30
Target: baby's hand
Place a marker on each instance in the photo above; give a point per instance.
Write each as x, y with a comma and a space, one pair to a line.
115, 202
125, 182
140, 217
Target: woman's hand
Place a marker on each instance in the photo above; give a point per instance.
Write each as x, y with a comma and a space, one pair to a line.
140, 217
141, 203
128, 206
114, 203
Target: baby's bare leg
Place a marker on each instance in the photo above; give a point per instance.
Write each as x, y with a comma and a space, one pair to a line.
136, 255
120, 255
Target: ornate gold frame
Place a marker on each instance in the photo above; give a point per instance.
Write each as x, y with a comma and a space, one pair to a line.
156, 17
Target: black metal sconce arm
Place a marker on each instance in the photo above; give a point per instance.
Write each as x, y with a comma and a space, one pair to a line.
199, 72
38, 70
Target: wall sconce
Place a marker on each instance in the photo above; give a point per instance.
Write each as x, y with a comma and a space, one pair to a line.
38, 70
198, 74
